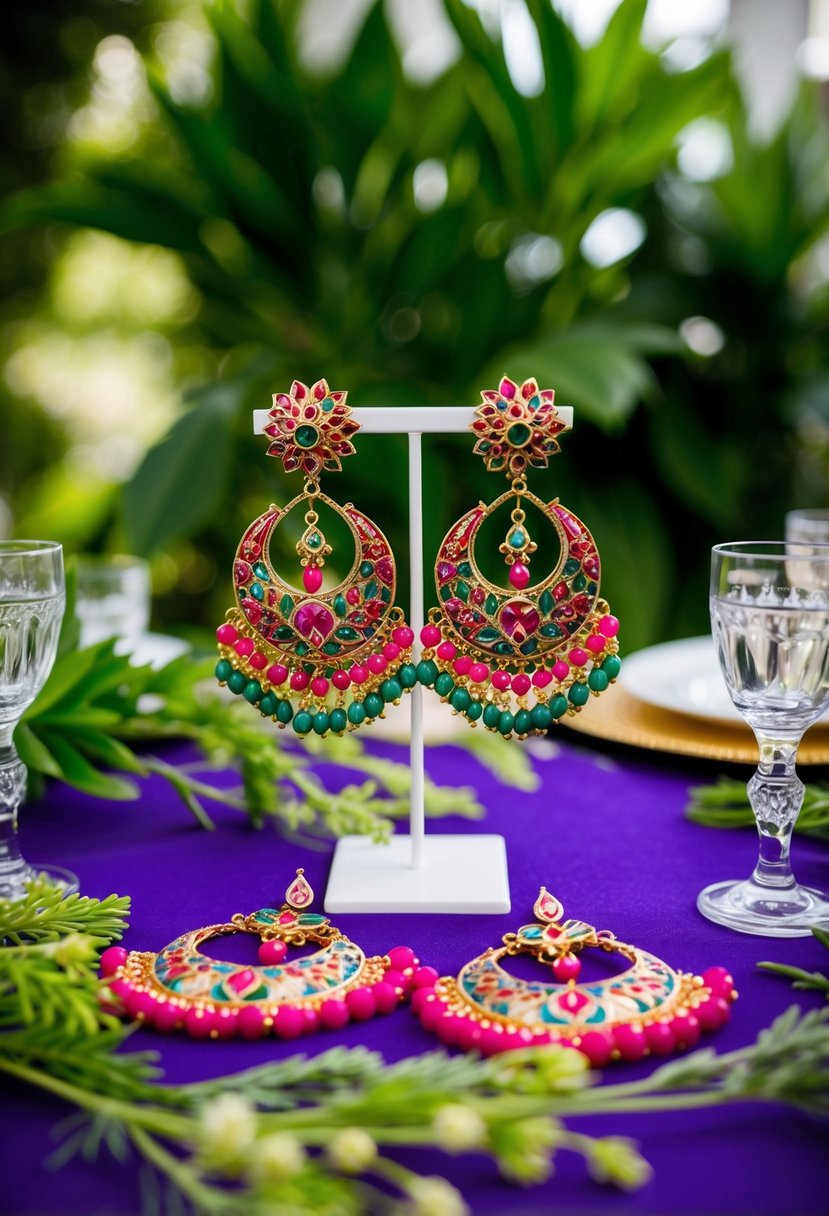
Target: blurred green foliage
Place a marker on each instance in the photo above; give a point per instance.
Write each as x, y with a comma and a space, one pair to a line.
290, 196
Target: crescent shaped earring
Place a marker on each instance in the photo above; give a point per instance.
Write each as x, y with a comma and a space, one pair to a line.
518, 657
324, 659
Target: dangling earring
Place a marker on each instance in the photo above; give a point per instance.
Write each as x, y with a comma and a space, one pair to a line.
520, 657
181, 988
328, 660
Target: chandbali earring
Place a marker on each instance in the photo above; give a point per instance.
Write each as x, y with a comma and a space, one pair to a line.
522, 656
326, 660
181, 988
647, 1009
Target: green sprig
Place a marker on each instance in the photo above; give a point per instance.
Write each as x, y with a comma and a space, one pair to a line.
725, 805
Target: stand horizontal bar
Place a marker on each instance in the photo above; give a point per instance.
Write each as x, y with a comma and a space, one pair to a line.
408, 419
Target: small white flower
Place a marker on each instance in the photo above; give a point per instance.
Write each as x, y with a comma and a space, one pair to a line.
435, 1197
277, 1157
352, 1150
459, 1128
227, 1131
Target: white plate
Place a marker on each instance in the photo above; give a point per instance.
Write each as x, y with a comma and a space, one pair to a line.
682, 676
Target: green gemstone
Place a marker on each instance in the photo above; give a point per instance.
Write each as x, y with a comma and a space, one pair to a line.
331, 648
346, 634
546, 602
391, 690
302, 648
268, 704
529, 647
503, 648
306, 436
314, 540
465, 570
444, 684
598, 680
284, 712
550, 630
518, 434
579, 582
286, 605
224, 670
356, 713
373, 704
261, 572
427, 672
534, 402
284, 633
460, 700
257, 591
252, 691
327, 405
407, 675
339, 720
579, 694
506, 722
611, 666
385, 594
462, 590
541, 717
237, 681
446, 591
491, 604
366, 569
523, 722
475, 710
492, 716
340, 606
592, 588
558, 706
517, 539
371, 590
571, 566
489, 635
320, 722
303, 722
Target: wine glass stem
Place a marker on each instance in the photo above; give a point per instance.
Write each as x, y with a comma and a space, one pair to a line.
14, 871
776, 795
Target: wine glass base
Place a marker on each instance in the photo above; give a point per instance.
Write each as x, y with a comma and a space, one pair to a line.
749, 907
55, 876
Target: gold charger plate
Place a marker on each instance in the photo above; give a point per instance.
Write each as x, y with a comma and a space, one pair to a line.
621, 718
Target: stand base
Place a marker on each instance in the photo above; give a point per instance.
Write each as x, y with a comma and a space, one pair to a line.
459, 874
749, 907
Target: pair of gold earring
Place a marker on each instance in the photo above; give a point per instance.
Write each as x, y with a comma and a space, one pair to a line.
516, 656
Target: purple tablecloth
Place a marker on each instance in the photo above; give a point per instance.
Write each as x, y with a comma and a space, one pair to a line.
607, 836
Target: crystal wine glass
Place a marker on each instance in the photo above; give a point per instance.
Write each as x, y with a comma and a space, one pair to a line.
32, 601
770, 618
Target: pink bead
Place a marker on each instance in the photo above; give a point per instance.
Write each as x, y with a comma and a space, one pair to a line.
277, 674
310, 1021
300, 680
597, 1047
227, 633
660, 1038
385, 997
425, 977
431, 1014
376, 664
462, 664
578, 657
501, 680
319, 686
404, 636
713, 1013
251, 1022
561, 669
272, 953
567, 968
718, 979
334, 1014
113, 958
121, 990
469, 1035
244, 647
361, 1004
479, 672
259, 660
419, 998
402, 957
358, 673
447, 651
631, 1042
143, 1006
398, 980
225, 1023
521, 684
595, 643
430, 635
609, 626
492, 1041
390, 651
449, 1029
542, 677
341, 679
686, 1030
197, 1023
312, 579
519, 575
166, 1017
288, 1022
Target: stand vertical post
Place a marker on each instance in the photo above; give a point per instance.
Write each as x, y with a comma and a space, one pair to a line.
417, 811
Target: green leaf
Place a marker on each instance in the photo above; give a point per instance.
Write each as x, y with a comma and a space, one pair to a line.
109, 751
77, 771
65, 680
33, 751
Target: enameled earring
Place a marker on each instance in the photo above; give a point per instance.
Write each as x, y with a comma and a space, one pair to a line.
321, 659
521, 656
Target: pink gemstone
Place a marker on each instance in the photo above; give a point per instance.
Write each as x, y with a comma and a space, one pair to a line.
385, 997
567, 968
462, 664
320, 389
542, 677
252, 611
384, 569
404, 636
609, 626
289, 1022
227, 633
501, 680
319, 686
240, 981
334, 1014
478, 672
312, 578
430, 635
277, 674
376, 664
390, 651
299, 893
596, 1046
660, 1038
242, 573
630, 1041
519, 575
521, 684
446, 571
299, 680
595, 643
259, 660
361, 1004
447, 651
272, 953
561, 669
507, 389
519, 620
358, 673
353, 595
402, 957
341, 679
578, 657
314, 622
244, 647
298, 390
454, 607
287, 918
113, 958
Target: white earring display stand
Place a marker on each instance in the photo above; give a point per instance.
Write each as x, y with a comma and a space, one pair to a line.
417, 873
